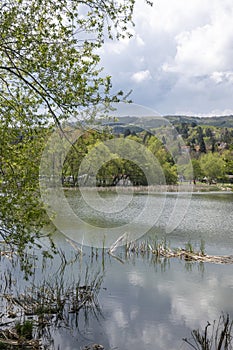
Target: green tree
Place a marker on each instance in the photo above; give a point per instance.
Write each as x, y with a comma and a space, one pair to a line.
197, 170
228, 159
165, 160
202, 144
193, 170
88, 140
49, 70
21, 212
213, 166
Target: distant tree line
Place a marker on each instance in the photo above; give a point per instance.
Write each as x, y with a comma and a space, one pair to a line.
210, 150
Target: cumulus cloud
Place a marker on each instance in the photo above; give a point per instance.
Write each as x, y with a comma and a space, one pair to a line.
182, 51
206, 48
140, 76
222, 77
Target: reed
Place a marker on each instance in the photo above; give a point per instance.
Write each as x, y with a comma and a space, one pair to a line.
161, 249
29, 315
218, 337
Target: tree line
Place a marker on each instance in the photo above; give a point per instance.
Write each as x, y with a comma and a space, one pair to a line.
209, 150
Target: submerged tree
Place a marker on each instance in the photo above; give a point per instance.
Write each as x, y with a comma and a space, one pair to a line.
49, 70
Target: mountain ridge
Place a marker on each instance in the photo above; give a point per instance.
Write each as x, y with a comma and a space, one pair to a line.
218, 121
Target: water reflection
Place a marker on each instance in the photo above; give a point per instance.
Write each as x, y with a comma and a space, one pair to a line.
154, 308
59, 295
145, 301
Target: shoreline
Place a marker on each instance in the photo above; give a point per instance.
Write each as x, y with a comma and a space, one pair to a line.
182, 187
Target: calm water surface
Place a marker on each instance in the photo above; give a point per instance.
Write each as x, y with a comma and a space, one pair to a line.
148, 304
193, 217
144, 303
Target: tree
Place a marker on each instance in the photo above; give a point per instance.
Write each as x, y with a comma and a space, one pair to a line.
164, 158
192, 171
21, 212
202, 145
76, 154
48, 58
209, 132
228, 159
49, 70
212, 166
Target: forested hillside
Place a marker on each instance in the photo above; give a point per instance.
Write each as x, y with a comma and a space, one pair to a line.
209, 148
220, 121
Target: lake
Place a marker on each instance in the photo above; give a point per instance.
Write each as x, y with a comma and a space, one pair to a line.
144, 302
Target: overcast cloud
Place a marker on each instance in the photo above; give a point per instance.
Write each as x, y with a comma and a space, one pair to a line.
180, 59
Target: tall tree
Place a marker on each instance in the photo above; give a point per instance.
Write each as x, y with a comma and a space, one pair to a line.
48, 54
49, 70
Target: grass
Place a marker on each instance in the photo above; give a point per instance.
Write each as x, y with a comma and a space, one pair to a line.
216, 337
19, 337
51, 303
24, 330
57, 297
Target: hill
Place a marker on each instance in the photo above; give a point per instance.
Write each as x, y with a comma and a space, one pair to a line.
218, 121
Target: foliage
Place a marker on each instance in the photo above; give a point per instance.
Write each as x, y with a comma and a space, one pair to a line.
24, 329
49, 70
194, 170
228, 159
21, 213
212, 165
210, 147
124, 160
48, 54
164, 159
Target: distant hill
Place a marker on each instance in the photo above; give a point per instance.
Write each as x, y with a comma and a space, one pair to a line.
136, 124
158, 121
221, 121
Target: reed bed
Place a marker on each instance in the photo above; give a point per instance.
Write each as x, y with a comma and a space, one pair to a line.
29, 315
162, 249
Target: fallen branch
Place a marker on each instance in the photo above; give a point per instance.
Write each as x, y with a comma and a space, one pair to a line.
188, 256
161, 250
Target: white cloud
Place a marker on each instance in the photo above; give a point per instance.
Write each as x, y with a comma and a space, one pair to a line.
139, 40
170, 16
206, 48
186, 46
221, 77
140, 76
136, 279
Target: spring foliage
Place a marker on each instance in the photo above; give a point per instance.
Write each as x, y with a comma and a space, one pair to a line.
49, 70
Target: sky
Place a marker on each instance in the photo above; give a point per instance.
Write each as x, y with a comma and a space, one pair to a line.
180, 59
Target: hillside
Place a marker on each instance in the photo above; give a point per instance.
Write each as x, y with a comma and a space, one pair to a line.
221, 121
158, 121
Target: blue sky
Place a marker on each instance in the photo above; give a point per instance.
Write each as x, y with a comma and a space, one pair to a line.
180, 59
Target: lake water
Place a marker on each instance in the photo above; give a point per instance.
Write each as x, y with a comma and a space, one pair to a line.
147, 303
178, 217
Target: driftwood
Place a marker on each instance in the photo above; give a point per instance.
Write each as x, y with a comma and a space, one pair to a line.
161, 250
28, 344
93, 347
10, 338
192, 256
8, 254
